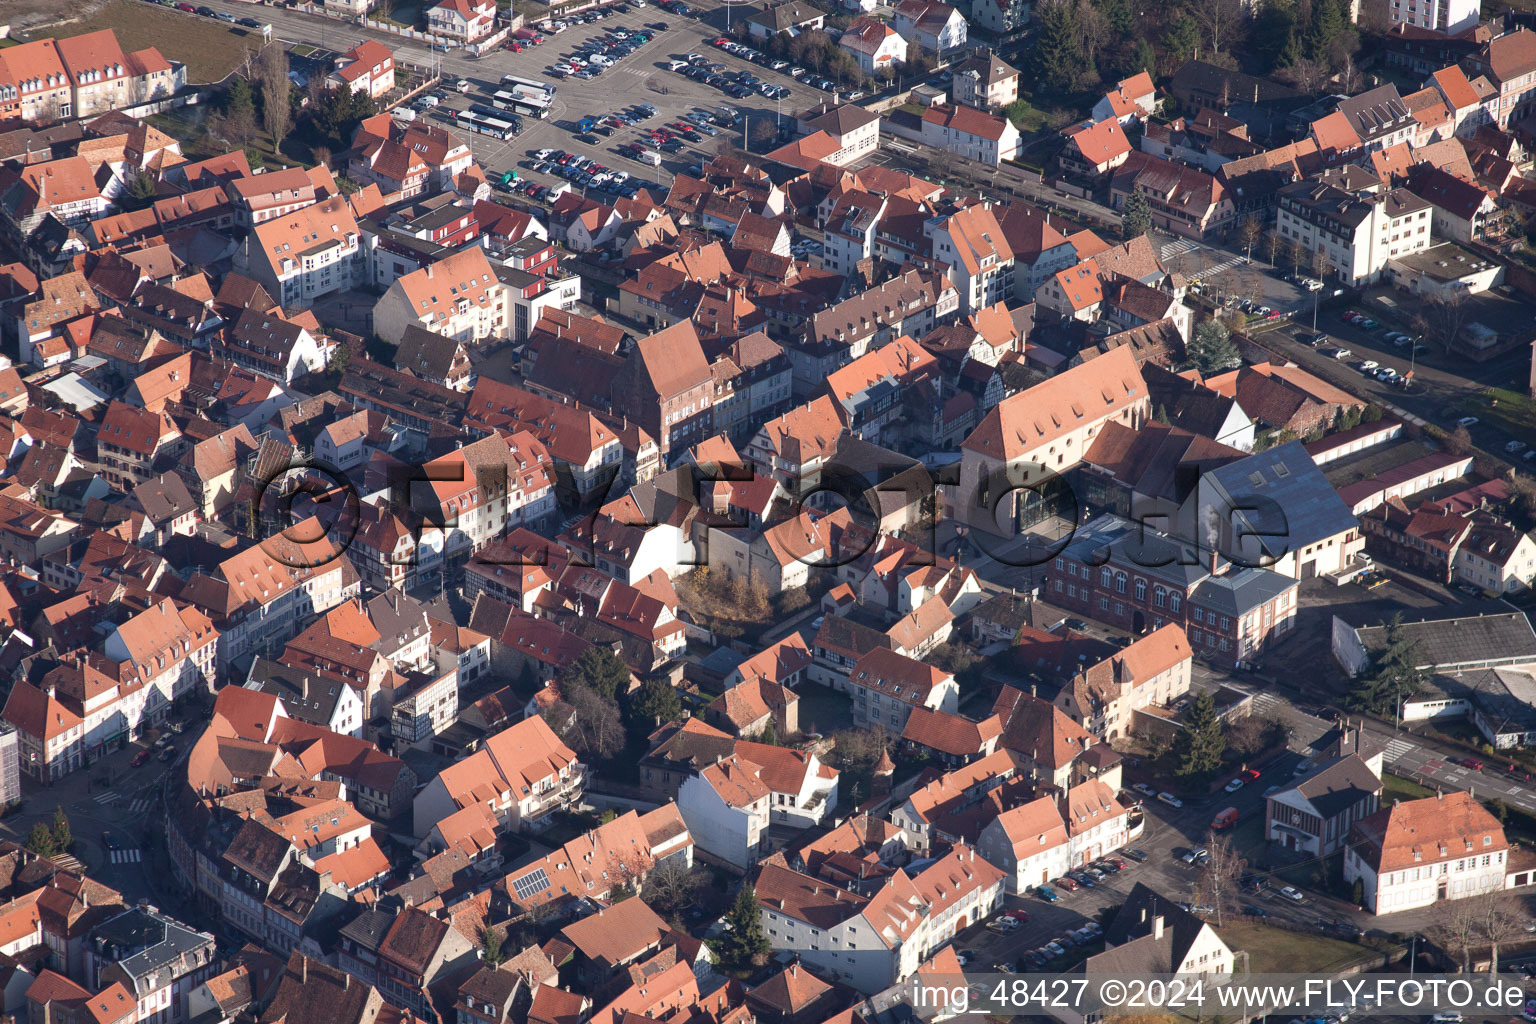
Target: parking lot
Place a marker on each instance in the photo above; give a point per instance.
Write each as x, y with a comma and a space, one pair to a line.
643, 76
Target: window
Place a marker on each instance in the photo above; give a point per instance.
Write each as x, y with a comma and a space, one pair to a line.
1141, 590
1120, 582
1174, 600
1106, 578
1160, 597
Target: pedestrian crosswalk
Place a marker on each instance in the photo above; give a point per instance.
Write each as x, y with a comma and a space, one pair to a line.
141, 805
1177, 247
1225, 265
132, 856
1397, 750
105, 798
1263, 703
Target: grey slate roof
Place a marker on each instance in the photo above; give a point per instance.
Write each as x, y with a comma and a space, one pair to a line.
1302, 507
1339, 786
1464, 641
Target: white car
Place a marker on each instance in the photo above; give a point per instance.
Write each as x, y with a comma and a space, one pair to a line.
1293, 894
1467, 421
428, 100
1234, 786
462, 85
1514, 446
1170, 800
1368, 365
1144, 789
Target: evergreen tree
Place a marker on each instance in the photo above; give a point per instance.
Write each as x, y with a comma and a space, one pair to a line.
141, 192
40, 841
1143, 58
63, 839
1200, 744
1118, 15
1136, 218
1058, 54
600, 670
655, 703
744, 945
1212, 349
490, 945
1182, 40
1290, 54
1162, 414
769, 735
1327, 25
1393, 673
240, 112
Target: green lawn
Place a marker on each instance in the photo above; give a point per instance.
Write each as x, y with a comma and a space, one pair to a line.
1276, 951
1514, 412
1395, 787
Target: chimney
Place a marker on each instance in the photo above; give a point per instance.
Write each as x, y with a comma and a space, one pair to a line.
1439, 793
1157, 927
1214, 557
429, 271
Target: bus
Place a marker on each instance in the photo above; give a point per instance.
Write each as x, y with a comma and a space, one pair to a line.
484, 124
522, 103
511, 81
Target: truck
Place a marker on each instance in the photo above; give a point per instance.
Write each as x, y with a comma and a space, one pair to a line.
1225, 819
649, 156
586, 124
526, 34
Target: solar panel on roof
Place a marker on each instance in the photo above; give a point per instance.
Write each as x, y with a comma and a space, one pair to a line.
535, 881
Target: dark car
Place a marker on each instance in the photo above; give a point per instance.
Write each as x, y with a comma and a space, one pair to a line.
1253, 911
1077, 624
168, 754
1137, 855
110, 841
207, 12
249, 23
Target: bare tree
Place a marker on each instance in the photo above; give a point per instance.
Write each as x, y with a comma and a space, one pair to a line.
1454, 928
1498, 919
672, 885
1093, 31
1442, 317
1306, 75
1272, 243
275, 93
1217, 883
588, 721
1248, 233
1218, 20
1459, 441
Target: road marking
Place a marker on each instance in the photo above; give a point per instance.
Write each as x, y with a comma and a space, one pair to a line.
126, 856
141, 805
1398, 749
107, 797
1178, 247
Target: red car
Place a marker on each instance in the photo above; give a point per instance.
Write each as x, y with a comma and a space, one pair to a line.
515, 46
186, 7
1021, 916
141, 758
1068, 884
719, 41
1250, 774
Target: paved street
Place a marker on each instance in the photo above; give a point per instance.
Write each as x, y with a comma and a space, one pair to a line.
128, 807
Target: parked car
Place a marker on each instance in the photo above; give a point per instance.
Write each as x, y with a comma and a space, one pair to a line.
1068, 883
1234, 786
141, 758
1046, 893
1467, 421
1293, 894
1136, 854
1144, 789
249, 23
1170, 799
110, 841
